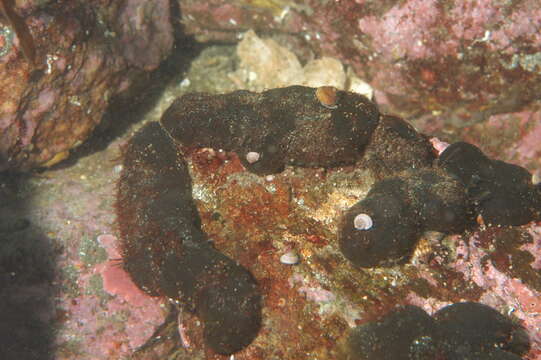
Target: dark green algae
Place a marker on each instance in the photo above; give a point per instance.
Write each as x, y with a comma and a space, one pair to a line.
461, 331
285, 126
166, 252
502, 193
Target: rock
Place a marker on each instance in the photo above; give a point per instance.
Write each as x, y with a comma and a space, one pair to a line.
456, 63
85, 54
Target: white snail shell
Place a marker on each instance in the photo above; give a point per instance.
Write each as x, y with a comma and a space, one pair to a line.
363, 222
252, 157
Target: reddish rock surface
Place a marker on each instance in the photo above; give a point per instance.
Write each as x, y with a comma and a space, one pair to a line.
453, 63
456, 62
309, 307
85, 54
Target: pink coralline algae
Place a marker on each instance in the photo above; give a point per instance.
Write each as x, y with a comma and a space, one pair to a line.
146, 32
317, 294
116, 281
534, 247
459, 62
521, 24
438, 145
502, 290
498, 287
446, 38
107, 332
124, 323
528, 149
405, 29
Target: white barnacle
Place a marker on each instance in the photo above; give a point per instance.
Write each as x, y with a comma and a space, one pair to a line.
362, 222
252, 157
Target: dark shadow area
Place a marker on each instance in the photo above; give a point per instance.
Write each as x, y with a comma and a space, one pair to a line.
27, 273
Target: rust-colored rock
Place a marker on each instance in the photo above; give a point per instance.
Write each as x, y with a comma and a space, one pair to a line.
56, 85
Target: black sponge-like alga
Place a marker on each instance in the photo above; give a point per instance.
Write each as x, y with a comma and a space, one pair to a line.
394, 230
167, 253
461, 331
400, 208
502, 193
467, 330
446, 198
287, 126
164, 248
404, 334
396, 147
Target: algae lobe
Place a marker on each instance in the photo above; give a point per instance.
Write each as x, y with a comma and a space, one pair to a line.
466, 330
402, 207
400, 334
461, 331
167, 254
502, 193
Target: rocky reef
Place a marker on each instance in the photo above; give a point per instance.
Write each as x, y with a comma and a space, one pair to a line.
438, 62
468, 74
62, 63
166, 252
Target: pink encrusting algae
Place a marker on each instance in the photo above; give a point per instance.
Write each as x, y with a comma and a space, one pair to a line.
405, 31
534, 247
116, 281
146, 312
501, 291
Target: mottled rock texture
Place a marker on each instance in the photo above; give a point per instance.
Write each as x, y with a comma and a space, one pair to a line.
453, 61
85, 53
309, 307
168, 251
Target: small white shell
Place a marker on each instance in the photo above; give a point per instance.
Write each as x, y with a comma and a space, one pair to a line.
362, 222
289, 258
252, 157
